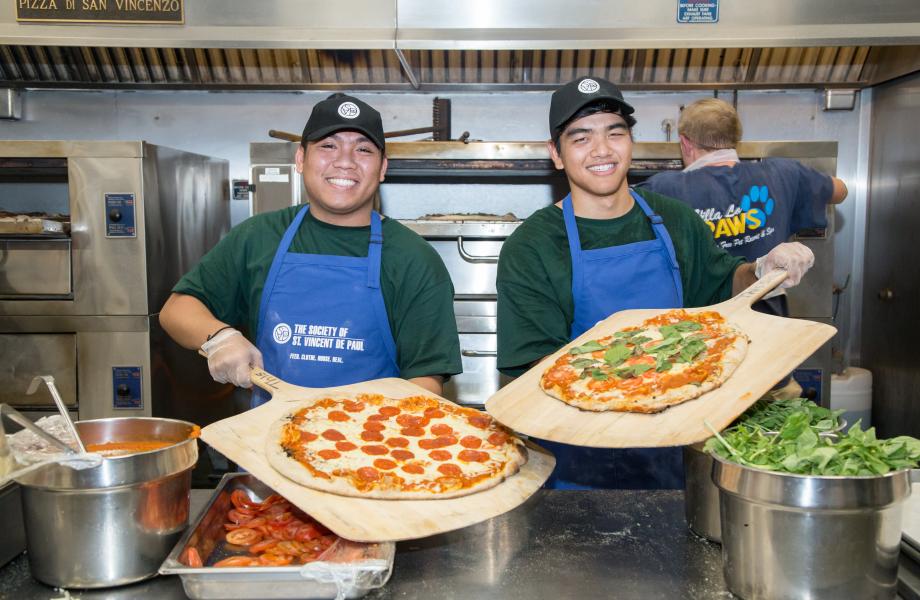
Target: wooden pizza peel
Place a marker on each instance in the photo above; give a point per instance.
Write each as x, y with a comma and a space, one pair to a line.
242, 439
778, 345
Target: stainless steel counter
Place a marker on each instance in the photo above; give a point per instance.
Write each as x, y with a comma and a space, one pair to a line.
560, 544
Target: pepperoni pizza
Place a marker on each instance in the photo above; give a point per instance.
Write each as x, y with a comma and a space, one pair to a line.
370, 446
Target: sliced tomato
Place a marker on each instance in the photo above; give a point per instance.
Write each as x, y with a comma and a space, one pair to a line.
263, 546
237, 561
280, 519
241, 500
289, 548
191, 558
243, 537
270, 559
307, 532
307, 557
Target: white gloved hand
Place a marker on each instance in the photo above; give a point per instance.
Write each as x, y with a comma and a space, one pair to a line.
795, 258
230, 357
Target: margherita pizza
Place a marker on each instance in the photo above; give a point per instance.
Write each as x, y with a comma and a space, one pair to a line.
668, 359
370, 446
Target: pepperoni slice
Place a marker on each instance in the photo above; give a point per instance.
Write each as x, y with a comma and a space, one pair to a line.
413, 468
383, 463
306, 436
333, 435
374, 426
434, 413
471, 441
442, 429
439, 455
438, 442
328, 454
473, 456
371, 436
374, 450
450, 470
345, 446
480, 421
388, 411
400, 454
338, 416
413, 431
377, 418
397, 442
353, 406
368, 473
499, 438
411, 420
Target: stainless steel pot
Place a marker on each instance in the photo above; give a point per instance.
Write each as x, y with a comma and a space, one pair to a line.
115, 523
795, 536
701, 496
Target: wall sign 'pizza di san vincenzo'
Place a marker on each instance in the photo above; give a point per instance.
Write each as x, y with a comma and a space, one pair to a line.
165, 12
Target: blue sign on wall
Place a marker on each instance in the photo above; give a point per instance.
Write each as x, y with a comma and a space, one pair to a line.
697, 11
126, 388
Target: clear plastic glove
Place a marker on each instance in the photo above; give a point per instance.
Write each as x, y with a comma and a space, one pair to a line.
230, 357
794, 257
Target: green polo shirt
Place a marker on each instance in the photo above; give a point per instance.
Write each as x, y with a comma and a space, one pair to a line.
416, 287
535, 303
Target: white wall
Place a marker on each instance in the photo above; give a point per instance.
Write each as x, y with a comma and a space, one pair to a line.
222, 124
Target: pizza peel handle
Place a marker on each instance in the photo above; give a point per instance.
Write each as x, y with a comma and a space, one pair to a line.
263, 379
755, 291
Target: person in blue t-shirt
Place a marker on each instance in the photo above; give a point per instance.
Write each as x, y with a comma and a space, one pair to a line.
751, 207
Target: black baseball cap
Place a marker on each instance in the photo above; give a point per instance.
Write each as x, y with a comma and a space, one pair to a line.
574, 95
340, 111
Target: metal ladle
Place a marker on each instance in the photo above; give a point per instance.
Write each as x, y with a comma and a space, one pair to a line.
49, 381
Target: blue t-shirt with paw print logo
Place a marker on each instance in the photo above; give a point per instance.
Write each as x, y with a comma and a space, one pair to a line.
751, 207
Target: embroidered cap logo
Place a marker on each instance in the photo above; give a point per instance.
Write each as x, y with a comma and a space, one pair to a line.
349, 110
588, 86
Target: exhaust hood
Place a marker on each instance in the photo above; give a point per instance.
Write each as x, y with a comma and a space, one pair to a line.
479, 45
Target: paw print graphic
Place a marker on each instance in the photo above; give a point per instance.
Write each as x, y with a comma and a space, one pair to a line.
758, 199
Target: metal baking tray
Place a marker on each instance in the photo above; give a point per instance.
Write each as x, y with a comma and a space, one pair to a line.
324, 578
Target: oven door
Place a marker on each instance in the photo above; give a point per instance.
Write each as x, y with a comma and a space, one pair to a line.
478, 344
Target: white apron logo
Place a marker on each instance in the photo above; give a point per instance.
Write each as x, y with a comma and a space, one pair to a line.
349, 110
588, 86
282, 333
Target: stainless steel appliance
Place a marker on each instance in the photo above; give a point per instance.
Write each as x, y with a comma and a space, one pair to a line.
470, 244
105, 229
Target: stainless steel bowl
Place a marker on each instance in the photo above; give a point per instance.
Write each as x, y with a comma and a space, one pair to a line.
817, 538
115, 523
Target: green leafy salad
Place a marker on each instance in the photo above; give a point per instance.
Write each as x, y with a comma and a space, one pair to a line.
797, 445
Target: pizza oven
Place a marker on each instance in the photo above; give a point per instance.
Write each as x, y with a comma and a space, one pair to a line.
465, 199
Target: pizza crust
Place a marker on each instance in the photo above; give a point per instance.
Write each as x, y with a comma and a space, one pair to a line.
617, 401
514, 453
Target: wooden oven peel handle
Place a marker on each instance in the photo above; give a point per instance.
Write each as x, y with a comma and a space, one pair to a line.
259, 377
759, 288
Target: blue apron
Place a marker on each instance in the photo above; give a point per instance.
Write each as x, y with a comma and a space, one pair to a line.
322, 319
605, 281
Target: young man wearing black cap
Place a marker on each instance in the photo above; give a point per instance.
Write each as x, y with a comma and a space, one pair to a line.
330, 293
602, 249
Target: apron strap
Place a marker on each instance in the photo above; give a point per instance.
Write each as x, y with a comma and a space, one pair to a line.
571, 232
661, 232
272, 276
374, 251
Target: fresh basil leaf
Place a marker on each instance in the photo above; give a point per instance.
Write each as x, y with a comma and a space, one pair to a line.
632, 370
692, 350
616, 354
687, 326
628, 333
591, 346
662, 364
666, 342
599, 375
580, 363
